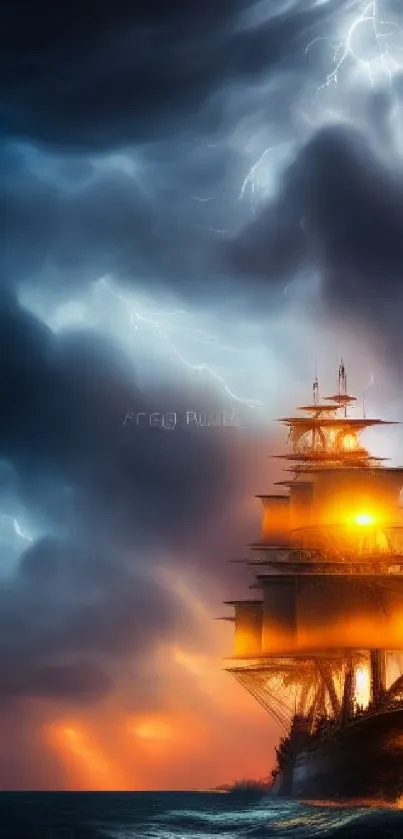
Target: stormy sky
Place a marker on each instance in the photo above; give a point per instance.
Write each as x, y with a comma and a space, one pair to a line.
200, 202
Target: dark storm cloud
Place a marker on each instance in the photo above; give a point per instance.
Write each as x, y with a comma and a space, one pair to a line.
104, 225
133, 491
150, 82
79, 75
82, 681
128, 77
338, 212
75, 226
68, 612
65, 402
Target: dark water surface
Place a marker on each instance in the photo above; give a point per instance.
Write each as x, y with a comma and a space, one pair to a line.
186, 815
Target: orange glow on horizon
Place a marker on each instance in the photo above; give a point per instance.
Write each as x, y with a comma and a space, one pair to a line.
165, 731
92, 769
191, 742
202, 730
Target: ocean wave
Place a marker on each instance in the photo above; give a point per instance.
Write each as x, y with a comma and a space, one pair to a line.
187, 816
266, 820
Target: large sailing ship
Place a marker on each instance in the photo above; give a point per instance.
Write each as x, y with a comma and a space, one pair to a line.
322, 647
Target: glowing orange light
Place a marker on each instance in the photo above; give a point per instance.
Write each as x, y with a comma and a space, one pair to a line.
362, 686
364, 519
92, 768
154, 730
349, 442
71, 733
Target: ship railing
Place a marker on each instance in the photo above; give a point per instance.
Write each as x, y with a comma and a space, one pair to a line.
330, 725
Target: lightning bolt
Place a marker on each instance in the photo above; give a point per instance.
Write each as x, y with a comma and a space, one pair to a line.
161, 327
345, 51
369, 25
250, 180
5, 521
21, 532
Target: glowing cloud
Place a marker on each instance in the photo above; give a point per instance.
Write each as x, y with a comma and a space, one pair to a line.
88, 765
153, 729
367, 42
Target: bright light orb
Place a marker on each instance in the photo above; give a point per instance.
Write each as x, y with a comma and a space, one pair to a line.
362, 686
349, 442
363, 519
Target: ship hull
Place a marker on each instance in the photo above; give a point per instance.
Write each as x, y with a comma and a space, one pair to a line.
362, 761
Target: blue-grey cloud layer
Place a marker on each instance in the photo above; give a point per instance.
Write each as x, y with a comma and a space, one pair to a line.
129, 133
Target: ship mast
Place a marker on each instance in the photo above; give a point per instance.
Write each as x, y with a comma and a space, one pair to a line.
329, 566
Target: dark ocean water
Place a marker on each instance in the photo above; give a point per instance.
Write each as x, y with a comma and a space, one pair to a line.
184, 816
